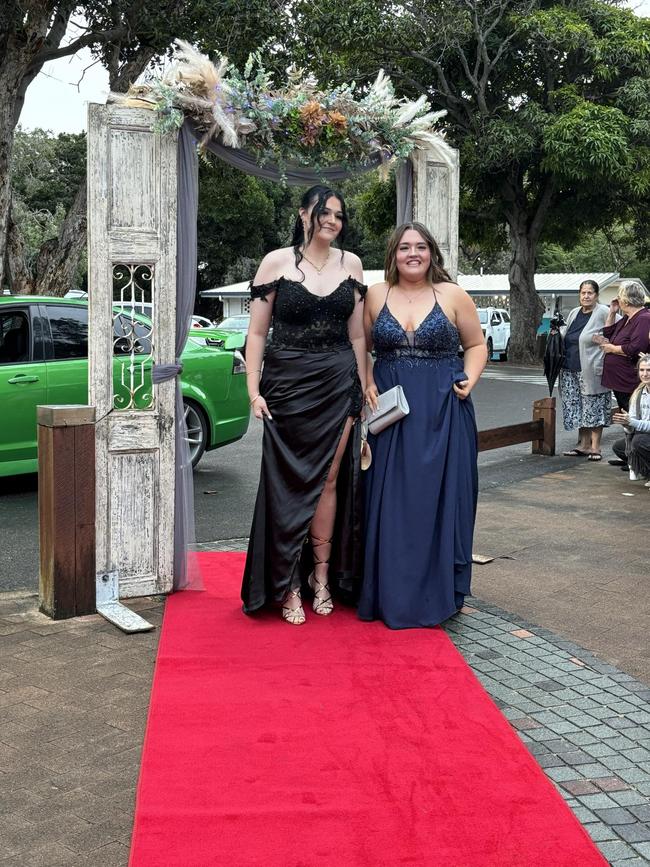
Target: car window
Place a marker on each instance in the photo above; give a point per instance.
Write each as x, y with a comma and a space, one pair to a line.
506, 316
495, 320
14, 337
69, 329
128, 333
482, 317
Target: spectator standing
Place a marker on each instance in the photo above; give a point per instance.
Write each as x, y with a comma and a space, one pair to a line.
586, 402
624, 340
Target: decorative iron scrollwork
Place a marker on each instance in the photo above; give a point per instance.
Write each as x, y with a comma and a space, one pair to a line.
133, 305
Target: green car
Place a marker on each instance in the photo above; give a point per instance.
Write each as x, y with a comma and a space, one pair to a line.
44, 360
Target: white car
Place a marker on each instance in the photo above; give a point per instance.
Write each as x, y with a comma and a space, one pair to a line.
495, 325
201, 322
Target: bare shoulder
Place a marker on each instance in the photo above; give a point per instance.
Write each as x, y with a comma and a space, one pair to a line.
376, 296
377, 290
274, 265
352, 263
450, 290
351, 259
458, 297
279, 257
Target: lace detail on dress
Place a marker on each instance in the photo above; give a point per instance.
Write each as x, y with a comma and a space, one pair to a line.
434, 339
262, 290
356, 392
309, 322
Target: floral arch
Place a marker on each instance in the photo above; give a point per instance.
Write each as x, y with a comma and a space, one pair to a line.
142, 206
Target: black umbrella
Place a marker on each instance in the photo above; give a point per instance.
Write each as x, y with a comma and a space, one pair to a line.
554, 354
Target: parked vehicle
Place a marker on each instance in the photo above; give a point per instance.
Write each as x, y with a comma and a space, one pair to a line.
495, 325
240, 324
44, 360
201, 322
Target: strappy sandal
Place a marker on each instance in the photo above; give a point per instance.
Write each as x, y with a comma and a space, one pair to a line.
322, 603
295, 616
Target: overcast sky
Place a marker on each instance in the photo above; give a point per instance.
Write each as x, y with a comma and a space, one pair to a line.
58, 97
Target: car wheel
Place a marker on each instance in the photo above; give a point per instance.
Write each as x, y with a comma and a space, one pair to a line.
504, 354
197, 430
490, 348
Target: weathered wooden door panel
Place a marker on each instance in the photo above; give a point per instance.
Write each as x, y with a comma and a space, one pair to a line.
436, 198
132, 271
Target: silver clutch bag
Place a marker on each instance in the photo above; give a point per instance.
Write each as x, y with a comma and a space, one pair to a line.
392, 407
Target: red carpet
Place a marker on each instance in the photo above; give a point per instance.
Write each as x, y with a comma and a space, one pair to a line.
334, 744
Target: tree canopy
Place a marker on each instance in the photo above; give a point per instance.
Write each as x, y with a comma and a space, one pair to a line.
548, 103
125, 37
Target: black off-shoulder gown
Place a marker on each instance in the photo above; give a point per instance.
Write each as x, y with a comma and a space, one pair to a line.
311, 385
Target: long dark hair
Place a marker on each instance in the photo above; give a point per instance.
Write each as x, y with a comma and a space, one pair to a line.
436, 272
318, 196
591, 283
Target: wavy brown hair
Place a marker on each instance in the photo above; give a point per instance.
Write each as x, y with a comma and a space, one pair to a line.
436, 272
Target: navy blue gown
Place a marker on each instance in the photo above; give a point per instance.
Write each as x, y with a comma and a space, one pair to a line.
422, 487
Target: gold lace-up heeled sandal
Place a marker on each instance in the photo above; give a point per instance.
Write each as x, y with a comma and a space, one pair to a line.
322, 604
295, 616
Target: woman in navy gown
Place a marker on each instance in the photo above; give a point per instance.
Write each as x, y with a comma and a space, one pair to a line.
422, 485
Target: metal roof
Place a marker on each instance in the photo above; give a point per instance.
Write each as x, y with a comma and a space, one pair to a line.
546, 284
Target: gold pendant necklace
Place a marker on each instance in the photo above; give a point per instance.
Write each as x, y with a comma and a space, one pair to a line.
408, 297
313, 264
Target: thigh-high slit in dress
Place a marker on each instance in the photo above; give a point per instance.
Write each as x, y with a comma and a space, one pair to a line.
422, 486
311, 385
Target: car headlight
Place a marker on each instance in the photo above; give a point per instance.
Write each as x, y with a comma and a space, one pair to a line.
238, 362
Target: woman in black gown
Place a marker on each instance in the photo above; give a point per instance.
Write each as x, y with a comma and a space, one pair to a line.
309, 394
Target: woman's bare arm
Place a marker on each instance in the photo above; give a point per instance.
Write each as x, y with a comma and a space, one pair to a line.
472, 341
258, 329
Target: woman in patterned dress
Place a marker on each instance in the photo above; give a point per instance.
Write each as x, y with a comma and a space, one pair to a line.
586, 403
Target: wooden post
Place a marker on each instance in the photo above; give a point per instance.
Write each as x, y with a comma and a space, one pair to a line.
544, 410
66, 508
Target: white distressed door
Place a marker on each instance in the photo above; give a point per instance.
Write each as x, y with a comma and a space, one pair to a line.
132, 271
436, 197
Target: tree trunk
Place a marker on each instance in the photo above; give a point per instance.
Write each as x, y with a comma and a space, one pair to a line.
526, 308
10, 77
18, 274
58, 259
525, 220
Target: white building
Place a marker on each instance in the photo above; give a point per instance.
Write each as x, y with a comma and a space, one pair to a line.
486, 289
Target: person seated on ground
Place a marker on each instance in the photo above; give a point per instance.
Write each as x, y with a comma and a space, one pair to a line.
634, 448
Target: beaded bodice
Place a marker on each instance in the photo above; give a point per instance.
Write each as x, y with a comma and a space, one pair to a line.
436, 337
303, 320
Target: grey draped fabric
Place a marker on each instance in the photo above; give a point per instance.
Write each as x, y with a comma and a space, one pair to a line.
293, 175
404, 181
186, 570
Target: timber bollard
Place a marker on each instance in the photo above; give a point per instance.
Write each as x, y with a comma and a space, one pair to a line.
66, 510
544, 410
540, 431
